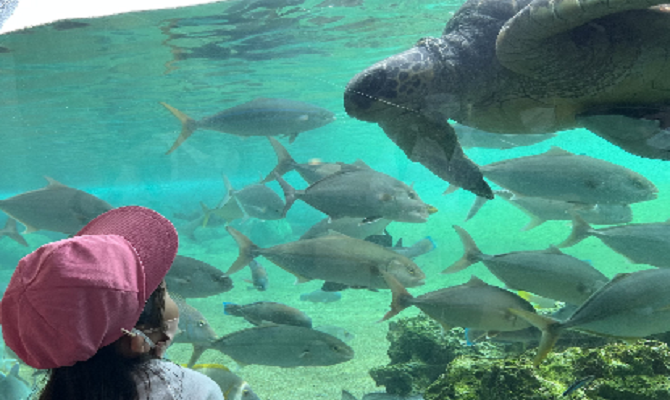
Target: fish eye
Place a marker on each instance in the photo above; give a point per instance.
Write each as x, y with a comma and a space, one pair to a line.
411, 271
412, 195
201, 323
336, 348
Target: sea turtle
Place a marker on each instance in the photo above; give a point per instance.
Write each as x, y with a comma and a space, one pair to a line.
529, 66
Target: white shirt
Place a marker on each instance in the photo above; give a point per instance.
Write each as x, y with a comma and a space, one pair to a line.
165, 380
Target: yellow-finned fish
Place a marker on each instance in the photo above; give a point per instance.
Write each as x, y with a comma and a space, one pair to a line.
232, 386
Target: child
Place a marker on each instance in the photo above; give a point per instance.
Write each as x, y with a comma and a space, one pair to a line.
95, 311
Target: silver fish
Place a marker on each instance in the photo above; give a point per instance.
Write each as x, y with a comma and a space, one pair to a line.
56, 208
262, 312
542, 210
259, 276
632, 305
347, 226
259, 117
192, 278
193, 328
471, 137
362, 193
548, 273
11, 232
561, 175
284, 346
640, 243
311, 172
232, 386
475, 305
335, 258
257, 201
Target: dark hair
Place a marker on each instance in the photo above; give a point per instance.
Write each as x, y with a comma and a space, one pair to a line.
107, 375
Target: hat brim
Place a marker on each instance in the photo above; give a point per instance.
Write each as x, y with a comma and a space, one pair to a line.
153, 237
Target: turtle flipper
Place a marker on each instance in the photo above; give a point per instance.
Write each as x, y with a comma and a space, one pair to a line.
557, 40
432, 142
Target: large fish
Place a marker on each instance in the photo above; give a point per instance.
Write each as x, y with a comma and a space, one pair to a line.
283, 346
257, 201
56, 208
193, 328
259, 117
335, 258
262, 312
362, 193
542, 210
632, 305
192, 278
561, 175
232, 386
548, 273
347, 226
311, 172
475, 305
640, 243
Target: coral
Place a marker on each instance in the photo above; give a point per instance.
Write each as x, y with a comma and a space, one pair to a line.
622, 372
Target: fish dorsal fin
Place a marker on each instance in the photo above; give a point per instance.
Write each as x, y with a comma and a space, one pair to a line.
53, 184
557, 151
398, 243
474, 281
553, 250
450, 189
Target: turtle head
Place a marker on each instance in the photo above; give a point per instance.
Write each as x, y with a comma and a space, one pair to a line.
399, 83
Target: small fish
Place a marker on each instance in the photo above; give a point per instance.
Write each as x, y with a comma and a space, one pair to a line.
320, 296
259, 276
363, 193
340, 333
311, 172
232, 386
470, 137
257, 201
631, 305
193, 328
284, 346
547, 273
192, 278
56, 208
645, 243
259, 117
561, 175
334, 258
263, 312
11, 232
578, 384
423, 246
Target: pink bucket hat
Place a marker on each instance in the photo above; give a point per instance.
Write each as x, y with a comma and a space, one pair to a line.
69, 298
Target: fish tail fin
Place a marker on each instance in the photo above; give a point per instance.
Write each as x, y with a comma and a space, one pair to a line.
289, 194
229, 189
551, 330
10, 231
188, 126
207, 213
580, 231
471, 253
247, 248
401, 297
476, 206
285, 162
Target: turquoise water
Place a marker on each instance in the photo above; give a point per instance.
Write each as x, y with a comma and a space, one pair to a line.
79, 103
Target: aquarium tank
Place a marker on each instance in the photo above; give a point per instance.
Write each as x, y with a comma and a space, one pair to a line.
375, 199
